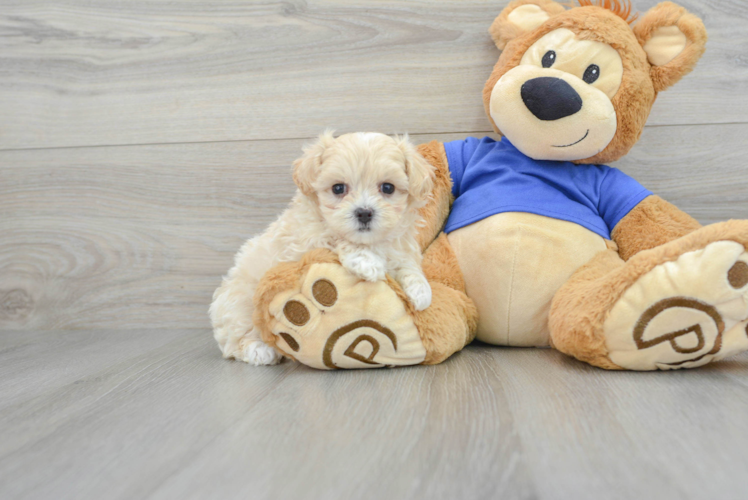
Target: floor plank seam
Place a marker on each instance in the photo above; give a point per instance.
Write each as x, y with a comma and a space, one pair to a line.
283, 139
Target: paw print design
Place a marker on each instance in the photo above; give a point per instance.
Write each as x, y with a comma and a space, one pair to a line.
683, 313
337, 320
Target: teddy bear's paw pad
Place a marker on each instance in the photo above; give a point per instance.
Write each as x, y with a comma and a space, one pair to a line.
684, 313
336, 320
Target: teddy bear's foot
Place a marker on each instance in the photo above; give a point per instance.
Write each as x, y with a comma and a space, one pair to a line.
683, 313
335, 320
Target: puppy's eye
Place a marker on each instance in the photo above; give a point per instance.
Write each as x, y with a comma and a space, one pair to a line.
339, 189
387, 188
548, 59
592, 73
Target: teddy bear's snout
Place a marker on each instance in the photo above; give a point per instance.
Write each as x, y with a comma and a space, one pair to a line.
550, 98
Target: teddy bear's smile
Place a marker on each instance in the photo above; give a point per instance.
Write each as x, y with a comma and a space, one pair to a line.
573, 143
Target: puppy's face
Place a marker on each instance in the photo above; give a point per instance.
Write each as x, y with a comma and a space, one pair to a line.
366, 184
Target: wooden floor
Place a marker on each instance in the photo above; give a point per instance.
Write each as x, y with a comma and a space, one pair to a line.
141, 142
158, 414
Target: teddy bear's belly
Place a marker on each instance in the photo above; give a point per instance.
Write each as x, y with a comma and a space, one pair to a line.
513, 264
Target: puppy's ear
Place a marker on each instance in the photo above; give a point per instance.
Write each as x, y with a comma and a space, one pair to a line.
674, 41
419, 171
306, 168
521, 16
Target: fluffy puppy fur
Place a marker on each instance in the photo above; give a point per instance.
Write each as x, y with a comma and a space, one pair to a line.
358, 195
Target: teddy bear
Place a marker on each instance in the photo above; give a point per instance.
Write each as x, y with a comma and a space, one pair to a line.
532, 240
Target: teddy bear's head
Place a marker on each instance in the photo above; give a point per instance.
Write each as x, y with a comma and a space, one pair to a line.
578, 84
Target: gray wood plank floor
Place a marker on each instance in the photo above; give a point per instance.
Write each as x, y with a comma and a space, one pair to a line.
159, 414
141, 142
111, 72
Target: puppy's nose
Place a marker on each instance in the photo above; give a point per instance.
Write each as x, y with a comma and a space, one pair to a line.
550, 98
364, 215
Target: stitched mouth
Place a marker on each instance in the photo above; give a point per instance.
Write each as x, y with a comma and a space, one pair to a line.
580, 140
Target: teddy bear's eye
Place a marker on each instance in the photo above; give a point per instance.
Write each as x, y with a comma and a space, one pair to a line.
592, 73
548, 59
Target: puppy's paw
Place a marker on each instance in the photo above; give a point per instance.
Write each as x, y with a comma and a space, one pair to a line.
366, 267
418, 291
258, 353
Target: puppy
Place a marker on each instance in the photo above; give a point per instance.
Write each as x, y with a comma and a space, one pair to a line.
359, 196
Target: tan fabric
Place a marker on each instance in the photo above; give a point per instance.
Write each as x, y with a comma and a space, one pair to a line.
635, 95
578, 309
574, 55
651, 223
668, 14
503, 29
583, 304
665, 45
354, 332
564, 140
528, 17
450, 322
512, 264
436, 210
675, 315
640, 82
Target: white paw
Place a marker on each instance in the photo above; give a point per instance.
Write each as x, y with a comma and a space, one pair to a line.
419, 293
365, 267
258, 353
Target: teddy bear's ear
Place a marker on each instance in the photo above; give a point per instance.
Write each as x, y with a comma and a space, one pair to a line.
521, 16
306, 168
674, 41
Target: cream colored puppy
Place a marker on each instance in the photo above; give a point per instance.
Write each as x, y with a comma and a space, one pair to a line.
358, 195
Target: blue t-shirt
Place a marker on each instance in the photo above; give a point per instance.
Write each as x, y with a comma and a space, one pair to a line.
491, 177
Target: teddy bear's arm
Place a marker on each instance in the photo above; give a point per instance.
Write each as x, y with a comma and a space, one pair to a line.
651, 223
436, 211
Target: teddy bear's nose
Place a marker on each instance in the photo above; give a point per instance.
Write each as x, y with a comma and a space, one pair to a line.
550, 98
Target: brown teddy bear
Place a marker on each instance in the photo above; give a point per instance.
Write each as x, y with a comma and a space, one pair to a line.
532, 240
